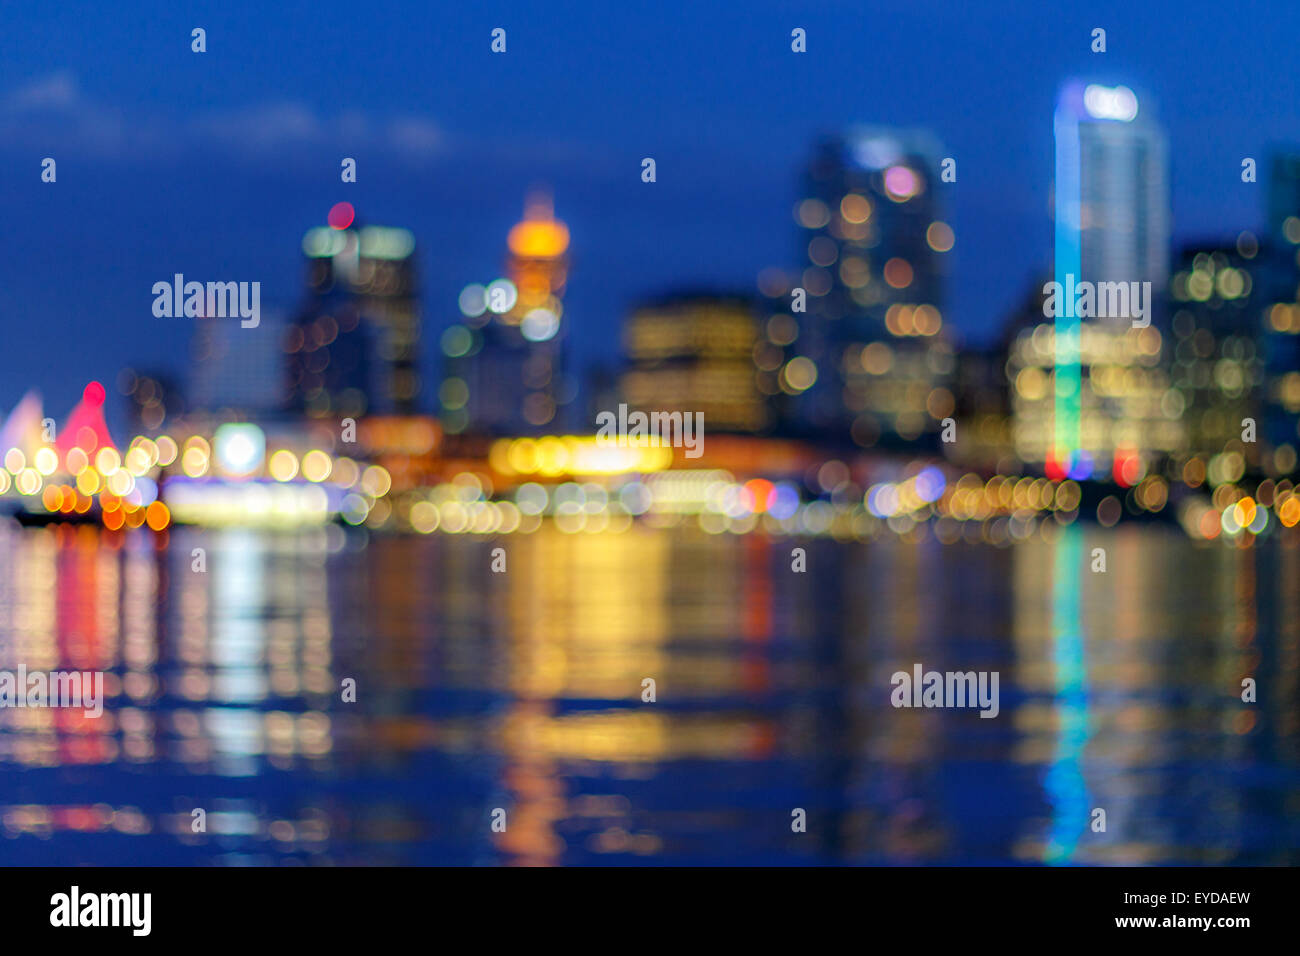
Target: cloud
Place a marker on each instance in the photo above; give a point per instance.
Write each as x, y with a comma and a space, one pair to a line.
260, 128
52, 112
58, 92
415, 136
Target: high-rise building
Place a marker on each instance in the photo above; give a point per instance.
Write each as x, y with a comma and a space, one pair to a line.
1216, 365
505, 361
697, 352
1088, 387
354, 348
1283, 194
1111, 186
1278, 298
872, 359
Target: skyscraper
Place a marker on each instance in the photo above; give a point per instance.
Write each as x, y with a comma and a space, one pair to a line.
1112, 226
1112, 185
513, 334
1216, 367
871, 358
697, 352
354, 348
1279, 299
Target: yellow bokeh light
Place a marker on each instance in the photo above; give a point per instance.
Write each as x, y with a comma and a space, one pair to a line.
107, 461
375, 481
316, 465
28, 481
167, 450
345, 473
194, 462
120, 482
46, 461
88, 481
799, 374
283, 465
424, 517
78, 461
137, 461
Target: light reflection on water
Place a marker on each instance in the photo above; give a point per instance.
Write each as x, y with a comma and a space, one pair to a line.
522, 690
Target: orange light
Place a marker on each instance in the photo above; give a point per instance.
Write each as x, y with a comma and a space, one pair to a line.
540, 235
539, 240
760, 493
158, 516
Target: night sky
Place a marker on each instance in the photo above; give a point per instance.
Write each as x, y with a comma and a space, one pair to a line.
215, 164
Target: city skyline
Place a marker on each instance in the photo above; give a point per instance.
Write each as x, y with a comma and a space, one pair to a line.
613, 435
730, 207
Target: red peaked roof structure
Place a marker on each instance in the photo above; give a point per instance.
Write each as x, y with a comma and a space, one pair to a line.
86, 428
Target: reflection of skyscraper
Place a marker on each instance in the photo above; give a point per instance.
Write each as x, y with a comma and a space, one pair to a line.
513, 335
871, 355
696, 353
355, 346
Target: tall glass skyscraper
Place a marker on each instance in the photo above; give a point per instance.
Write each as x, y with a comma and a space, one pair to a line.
1122, 186
1088, 389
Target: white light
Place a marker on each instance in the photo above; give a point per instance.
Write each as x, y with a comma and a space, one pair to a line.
539, 325
473, 300
1110, 102
240, 448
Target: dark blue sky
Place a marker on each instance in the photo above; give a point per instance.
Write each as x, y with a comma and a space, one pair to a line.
214, 165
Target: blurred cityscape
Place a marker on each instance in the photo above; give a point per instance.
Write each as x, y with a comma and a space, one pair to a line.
306, 502
836, 396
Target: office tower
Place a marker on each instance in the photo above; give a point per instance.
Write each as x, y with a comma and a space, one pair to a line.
1284, 194
505, 360
1112, 186
697, 352
872, 361
1216, 367
354, 348
983, 410
1104, 381
1278, 299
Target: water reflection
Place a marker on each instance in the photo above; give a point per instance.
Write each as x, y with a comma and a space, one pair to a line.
521, 691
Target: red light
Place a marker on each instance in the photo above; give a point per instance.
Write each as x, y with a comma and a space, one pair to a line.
1127, 469
341, 215
93, 394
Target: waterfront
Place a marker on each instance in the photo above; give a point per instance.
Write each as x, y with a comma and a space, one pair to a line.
522, 690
